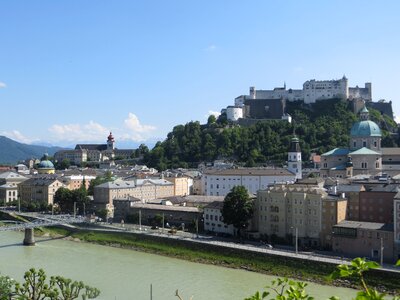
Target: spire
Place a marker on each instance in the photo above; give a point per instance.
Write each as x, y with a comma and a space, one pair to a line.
284, 85
364, 113
110, 137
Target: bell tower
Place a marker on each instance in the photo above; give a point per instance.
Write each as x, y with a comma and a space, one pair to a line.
110, 142
294, 158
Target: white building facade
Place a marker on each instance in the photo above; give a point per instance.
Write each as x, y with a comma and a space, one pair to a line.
220, 182
213, 220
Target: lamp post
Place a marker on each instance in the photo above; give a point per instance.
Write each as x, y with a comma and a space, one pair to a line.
197, 227
163, 221
140, 219
74, 209
382, 251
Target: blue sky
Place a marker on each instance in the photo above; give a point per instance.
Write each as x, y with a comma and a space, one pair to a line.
70, 71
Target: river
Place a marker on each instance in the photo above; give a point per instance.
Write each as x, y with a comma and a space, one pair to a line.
123, 274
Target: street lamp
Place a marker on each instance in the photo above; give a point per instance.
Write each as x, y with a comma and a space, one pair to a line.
163, 221
197, 227
140, 219
382, 251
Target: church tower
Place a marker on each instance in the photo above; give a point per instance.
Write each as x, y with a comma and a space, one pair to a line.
110, 142
294, 158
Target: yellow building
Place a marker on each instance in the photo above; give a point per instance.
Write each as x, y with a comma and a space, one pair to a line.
39, 189
284, 209
181, 185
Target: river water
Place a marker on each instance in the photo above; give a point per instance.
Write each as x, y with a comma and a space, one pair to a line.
123, 274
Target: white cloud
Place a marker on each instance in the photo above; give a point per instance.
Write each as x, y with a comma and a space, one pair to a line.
214, 113
210, 48
94, 132
133, 124
17, 136
2, 85
397, 119
89, 132
136, 130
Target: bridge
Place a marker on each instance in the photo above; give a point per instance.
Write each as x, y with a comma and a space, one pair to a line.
39, 220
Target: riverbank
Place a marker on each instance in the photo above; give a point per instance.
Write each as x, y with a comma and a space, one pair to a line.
317, 272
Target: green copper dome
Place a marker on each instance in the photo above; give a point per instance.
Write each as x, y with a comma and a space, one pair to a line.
365, 128
46, 164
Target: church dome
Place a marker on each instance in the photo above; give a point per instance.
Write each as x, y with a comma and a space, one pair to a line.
46, 164
365, 128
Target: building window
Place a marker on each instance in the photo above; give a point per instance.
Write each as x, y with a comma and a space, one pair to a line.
325, 165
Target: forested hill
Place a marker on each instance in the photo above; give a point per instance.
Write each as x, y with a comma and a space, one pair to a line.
12, 151
320, 127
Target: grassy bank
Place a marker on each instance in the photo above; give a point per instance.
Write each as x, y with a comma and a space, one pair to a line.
232, 258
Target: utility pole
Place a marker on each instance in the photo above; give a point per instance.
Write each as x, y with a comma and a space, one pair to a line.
74, 209
163, 221
140, 219
151, 291
382, 251
197, 226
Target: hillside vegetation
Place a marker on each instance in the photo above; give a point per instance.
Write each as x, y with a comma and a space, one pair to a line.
320, 127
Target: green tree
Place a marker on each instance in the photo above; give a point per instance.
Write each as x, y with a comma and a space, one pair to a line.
107, 177
64, 164
67, 199
6, 285
238, 208
64, 198
36, 287
211, 120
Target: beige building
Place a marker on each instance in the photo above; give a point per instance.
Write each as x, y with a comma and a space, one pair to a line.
352, 194
39, 188
333, 211
75, 156
9, 182
74, 182
181, 185
94, 152
283, 209
142, 189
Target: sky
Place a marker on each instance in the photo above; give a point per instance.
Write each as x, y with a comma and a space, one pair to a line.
72, 71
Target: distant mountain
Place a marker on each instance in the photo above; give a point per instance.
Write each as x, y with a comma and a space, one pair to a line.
11, 151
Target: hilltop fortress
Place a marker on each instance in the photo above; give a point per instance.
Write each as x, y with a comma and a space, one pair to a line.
270, 104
